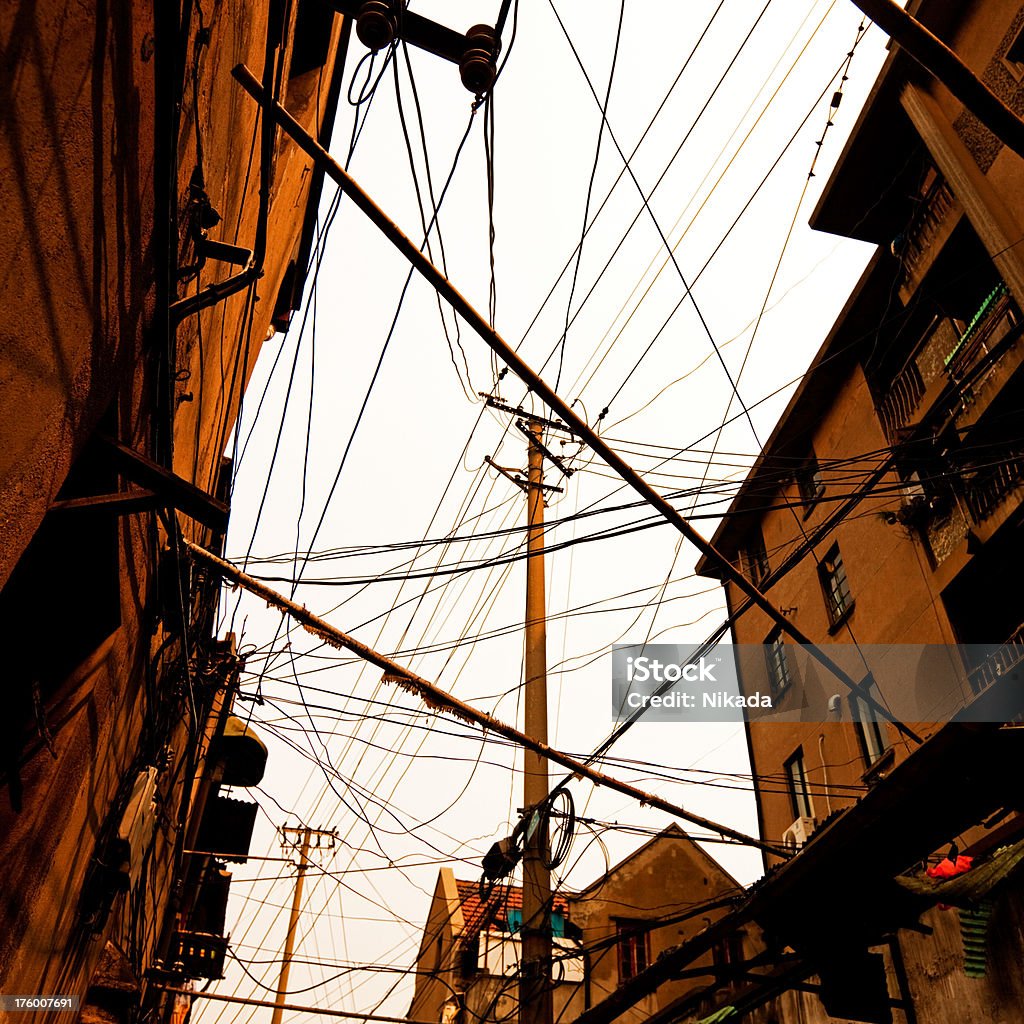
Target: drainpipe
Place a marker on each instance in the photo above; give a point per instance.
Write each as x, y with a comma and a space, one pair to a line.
824, 771
217, 291
586, 978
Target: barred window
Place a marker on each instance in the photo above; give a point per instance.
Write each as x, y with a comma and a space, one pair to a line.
755, 557
778, 664
835, 585
633, 940
809, 482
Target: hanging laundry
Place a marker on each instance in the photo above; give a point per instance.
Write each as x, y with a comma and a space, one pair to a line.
974, 933
725, 1013
947, 868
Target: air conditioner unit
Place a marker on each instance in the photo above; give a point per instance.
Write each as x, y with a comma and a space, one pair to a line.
798, 833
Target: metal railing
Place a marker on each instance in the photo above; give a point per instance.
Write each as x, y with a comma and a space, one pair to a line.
935, 204
995, 317
987, 489
999, 662
901, 400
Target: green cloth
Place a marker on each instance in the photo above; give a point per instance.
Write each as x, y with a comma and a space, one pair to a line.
725, 1013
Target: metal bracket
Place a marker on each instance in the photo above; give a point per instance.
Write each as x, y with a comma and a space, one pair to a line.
519, 481
529, 417
544, 449
160, 488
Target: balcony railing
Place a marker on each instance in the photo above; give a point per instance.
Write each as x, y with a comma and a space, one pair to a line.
935, 204
901, 400
986, 489
999, 662
996, 315
948, 353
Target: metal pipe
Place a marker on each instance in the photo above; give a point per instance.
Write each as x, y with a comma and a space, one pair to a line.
538, 386
436, 698
217, 291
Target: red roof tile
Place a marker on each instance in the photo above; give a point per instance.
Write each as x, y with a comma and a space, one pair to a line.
494, 912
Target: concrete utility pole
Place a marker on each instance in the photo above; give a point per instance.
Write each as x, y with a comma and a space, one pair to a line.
307, 834
535, 997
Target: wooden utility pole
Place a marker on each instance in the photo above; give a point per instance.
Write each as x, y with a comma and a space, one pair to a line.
307, 834
535, 998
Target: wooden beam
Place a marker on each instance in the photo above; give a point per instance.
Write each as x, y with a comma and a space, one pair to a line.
174, 490
122, 503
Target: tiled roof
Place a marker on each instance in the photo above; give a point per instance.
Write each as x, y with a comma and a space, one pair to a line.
503, 898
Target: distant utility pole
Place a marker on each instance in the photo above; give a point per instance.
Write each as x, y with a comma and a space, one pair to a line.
308, 835
535, 990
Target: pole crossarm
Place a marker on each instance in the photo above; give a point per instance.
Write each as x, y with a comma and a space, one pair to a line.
544, 391
440, 700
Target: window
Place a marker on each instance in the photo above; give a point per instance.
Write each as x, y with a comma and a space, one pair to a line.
633, 941
1014, 57
755, 557
836, 587
873, 741
778, 664
726, 953
799, 793
312, 39
809, 482
314, 26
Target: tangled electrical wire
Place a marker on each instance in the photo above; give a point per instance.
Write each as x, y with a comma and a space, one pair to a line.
501, 859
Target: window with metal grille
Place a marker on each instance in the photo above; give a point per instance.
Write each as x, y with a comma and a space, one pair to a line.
1013, 58
799, 791
809, 482
633, 941
755, 556
778, 664
835, 586
873, 741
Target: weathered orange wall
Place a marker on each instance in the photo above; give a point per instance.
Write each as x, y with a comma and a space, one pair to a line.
77, 294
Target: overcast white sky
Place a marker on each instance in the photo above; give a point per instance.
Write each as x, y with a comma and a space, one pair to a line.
406, 790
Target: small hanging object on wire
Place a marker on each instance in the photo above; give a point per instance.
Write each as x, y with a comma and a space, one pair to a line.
501, 859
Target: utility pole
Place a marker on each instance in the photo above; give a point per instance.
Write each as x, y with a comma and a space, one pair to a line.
535, 998
308, 834
535, 993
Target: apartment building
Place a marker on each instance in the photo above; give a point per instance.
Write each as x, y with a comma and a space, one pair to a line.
884, 518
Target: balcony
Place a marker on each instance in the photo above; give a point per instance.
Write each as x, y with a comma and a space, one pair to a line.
901, 401
996, 315
947, 354
936, 215
986, 489
1004, 658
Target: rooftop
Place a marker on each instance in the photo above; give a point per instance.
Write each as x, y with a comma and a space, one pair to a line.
477, 914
